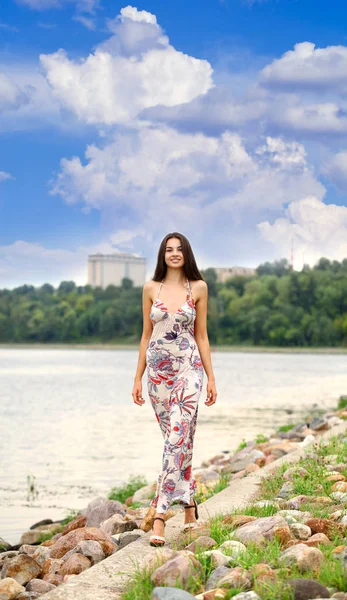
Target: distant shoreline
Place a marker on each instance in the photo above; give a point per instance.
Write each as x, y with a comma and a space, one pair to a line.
249, 349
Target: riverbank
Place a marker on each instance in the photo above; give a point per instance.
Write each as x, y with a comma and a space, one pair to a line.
118, 346
107, 525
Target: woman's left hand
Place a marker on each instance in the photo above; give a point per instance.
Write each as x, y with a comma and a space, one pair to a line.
211, 392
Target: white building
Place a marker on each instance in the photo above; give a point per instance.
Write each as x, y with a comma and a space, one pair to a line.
224, 273
109, 269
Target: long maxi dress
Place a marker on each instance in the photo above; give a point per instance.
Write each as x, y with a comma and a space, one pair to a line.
175, 377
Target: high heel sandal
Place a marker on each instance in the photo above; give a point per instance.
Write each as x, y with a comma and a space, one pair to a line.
157, 537
192, 525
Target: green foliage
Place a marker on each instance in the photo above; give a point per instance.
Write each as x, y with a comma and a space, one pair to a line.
241, 445
123, 492
278, 307
342, 402
261, 438
286, 427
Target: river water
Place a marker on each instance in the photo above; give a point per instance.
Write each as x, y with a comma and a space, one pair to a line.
69, 429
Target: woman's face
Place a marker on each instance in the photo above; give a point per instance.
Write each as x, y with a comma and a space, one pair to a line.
173, 253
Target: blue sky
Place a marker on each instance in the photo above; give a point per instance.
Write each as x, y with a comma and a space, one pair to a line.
226, 120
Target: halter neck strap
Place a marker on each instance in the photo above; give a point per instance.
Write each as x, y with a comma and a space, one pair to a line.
188, 288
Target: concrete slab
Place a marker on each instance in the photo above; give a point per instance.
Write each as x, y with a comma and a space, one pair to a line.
108, 579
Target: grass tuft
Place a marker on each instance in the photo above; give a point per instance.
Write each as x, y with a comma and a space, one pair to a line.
121, 493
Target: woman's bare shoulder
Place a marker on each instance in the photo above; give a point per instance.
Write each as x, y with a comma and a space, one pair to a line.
149, 288
199, 288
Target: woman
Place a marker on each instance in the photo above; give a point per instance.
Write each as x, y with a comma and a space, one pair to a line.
175, 348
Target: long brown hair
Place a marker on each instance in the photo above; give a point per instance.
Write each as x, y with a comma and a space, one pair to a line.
190, 267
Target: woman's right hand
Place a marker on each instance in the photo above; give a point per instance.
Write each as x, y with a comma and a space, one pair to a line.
137, 393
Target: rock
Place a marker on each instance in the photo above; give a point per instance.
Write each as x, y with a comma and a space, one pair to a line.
306, 589
98, 513
25, 549
261, 529
51, 566
233, 547
262, 572
236, 578
89, 548
330, 528
144, 493
339, 496
299, 515
253, 466
334, 477
4, 545
303, 557
157, 558
215, 577
215, 594
169, 593
319, 424
22, 568
243, 458
128, 538
9, 554
33, 536
55, 579
317, 538
340, 552
10, 588
344, 520
237, 520
297, 501
207, 475
71, 539
178, 570
28, 596
300, 531
203, 542
292, 472
75, 564
340, 596
339, 486
279, 450
218, 559
286, 490
75, 524
116, 524
337, 467
41, 554
39, 586
262, 503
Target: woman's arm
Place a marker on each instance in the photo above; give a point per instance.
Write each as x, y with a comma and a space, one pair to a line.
201, 338
146, 334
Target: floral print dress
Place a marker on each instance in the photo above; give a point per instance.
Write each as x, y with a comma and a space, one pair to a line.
175, 376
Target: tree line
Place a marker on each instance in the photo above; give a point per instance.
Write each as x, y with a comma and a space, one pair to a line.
276, 307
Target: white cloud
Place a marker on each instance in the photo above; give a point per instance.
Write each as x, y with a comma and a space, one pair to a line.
11, 96
317, 230
4, 176
336, 170
309, 67
207, 187
137, 69
26, 100
86, 22
139, 16
81, 5
320, 118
